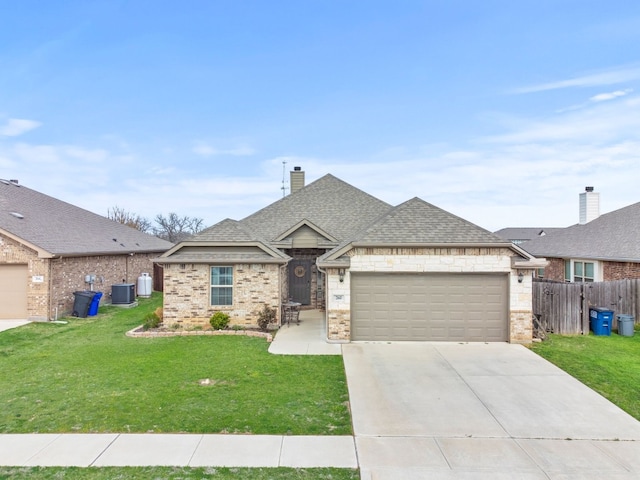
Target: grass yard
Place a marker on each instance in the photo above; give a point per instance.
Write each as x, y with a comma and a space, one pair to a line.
177, 473
608, 365
87, 376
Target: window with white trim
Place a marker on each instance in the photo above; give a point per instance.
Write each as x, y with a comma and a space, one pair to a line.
221, 285
580, 271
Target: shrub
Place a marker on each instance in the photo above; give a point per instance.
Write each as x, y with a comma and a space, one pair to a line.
266, 316
159, 312
151, 320
219, 321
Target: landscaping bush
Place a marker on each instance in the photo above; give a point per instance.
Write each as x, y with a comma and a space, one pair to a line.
219, 321
151, 320
266, 316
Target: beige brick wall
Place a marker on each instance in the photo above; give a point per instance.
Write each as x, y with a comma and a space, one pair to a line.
187, 293
452, 260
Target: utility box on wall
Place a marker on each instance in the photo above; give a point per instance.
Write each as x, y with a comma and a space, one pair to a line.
123, 293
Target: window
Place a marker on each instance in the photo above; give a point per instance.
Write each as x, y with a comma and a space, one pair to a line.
583, 272
221, 285
579, 271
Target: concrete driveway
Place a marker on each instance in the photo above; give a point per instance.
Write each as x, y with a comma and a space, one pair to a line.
7, 324
476, 411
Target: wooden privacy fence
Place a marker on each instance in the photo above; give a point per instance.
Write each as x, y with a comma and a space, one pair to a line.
564, 307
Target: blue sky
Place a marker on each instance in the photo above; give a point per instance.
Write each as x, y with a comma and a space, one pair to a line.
500, 112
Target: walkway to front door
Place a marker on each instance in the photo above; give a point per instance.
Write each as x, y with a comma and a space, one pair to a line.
307, 338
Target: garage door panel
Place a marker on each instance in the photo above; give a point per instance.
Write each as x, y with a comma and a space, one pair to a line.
434, 307
13, 291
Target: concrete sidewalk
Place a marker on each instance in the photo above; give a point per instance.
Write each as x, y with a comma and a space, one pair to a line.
188, 450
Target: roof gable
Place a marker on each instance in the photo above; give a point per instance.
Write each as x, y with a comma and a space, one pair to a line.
59, 228
301, 225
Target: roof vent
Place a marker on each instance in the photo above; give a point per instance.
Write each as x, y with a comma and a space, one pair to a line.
17, 215
14, 181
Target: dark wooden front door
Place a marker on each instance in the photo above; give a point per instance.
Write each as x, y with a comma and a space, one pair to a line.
300, 281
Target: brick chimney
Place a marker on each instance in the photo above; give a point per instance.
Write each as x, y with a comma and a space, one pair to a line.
589, 205
296, 181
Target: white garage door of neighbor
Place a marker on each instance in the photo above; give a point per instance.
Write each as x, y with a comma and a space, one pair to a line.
429, 307
13, 292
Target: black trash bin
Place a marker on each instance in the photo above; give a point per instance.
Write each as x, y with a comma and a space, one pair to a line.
82, 303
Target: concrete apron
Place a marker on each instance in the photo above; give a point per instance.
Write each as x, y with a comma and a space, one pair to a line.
494, 411
8, 324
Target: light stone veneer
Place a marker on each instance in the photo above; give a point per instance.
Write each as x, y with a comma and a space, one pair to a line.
430, 260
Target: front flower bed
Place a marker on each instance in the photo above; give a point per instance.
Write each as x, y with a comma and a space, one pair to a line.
139, 332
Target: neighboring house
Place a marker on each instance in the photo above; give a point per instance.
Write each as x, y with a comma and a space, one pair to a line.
410, 272
606, 248
49, 247
522, 235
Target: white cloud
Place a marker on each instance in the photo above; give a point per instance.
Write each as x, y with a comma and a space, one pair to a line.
610, 77
602, 97
17, 126
600, 122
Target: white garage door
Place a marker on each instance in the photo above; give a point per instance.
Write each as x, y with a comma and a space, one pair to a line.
13, 292
432, 307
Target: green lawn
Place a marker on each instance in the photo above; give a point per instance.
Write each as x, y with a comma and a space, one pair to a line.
177, 473
87, 376
610, 365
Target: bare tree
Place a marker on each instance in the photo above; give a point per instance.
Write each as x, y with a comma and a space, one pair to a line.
176, 229
130, 219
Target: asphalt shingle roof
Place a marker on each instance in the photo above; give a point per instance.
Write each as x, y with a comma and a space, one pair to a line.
613, 236
329, 203
227, 230
524, 234
60, 228
417, 221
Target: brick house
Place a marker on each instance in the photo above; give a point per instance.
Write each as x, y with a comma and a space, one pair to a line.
599, 248
48, 247
410, 272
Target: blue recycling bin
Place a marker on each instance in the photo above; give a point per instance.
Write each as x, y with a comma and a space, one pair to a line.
95, 302
600, 320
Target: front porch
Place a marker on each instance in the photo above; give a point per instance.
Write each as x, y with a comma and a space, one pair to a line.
307, 338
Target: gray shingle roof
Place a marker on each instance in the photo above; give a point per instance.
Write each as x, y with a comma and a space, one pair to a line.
524, 234
226, 241
419, 222
60, 228
227, 230
614, 236
329, 203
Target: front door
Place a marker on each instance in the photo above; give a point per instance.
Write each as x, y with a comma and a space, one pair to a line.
300, 281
